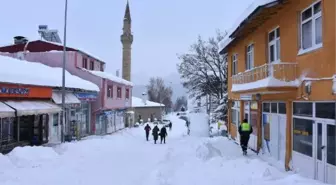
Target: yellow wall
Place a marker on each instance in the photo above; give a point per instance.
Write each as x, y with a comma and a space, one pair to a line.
318, 63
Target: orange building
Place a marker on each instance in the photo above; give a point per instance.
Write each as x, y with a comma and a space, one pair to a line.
281, 60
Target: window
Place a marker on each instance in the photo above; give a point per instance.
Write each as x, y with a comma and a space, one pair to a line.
303, 109
311, 26
119, 92
331, 147
55, 119
91, 65
84, 63
266, 107
282, 108
325, 110
274, 108
274, 45
101, 67
303, 136
234, 69
7, 128
249, 57
109, 91
127, 94
235, 116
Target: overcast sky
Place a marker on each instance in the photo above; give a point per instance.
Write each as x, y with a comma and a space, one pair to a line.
161, 28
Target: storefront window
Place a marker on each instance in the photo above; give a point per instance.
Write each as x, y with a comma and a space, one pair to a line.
274, 108
55, 119
331, 148
234, 116
325, 110
303, 109
303, 136
7, 128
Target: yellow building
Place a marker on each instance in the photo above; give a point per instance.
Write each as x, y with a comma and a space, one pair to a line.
281, 60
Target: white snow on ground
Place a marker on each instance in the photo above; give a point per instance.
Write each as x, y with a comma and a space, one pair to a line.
125, 158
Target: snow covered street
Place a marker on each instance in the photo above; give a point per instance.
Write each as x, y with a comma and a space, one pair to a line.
126, 158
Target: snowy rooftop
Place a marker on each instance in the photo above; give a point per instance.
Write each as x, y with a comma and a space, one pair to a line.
256, 4
109, 76
22, 72
138, 102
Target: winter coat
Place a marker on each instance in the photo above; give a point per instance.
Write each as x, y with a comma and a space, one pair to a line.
155, 131
163, 132
245, 129
147, 128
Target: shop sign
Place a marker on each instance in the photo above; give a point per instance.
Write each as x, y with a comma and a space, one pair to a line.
86, 96
246, 97
14, 91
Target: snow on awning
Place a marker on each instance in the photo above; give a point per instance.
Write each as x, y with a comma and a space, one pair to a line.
6, 111
70, 98
25, 108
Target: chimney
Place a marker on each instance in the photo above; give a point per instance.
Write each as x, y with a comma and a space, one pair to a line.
117, 73
20, 40
144, 98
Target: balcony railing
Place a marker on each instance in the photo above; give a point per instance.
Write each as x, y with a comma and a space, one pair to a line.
282, 71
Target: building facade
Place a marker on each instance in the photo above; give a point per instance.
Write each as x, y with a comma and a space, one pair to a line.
281, 60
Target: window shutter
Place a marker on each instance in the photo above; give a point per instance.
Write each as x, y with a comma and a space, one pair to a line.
232, 66
299, 29
246, 57
266, 48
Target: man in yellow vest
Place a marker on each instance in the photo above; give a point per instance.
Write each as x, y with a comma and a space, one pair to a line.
245, 129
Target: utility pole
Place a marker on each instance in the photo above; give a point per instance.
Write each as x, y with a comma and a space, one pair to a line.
63, 71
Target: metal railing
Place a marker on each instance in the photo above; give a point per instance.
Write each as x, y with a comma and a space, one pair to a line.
282, 71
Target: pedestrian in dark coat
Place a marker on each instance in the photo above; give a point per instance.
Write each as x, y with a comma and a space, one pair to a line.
170, 125
245, 129
155, 133
163, 134
147, 129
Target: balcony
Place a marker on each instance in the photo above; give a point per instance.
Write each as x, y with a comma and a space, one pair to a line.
266, 76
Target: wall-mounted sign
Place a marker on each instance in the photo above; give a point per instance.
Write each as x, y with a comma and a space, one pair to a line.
246, 97
12, 90
86, 96
24, 91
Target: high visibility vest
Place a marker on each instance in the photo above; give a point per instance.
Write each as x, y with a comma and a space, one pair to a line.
245, 127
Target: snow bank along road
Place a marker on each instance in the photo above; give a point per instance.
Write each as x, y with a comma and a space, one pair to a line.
126, 158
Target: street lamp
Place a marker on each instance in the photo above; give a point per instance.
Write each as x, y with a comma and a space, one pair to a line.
63, 70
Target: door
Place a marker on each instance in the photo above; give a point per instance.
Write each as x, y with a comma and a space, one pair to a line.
319, 132
282, 137
274, 136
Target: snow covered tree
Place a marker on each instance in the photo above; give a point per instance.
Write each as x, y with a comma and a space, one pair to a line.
157, 91
181, 102
204, 71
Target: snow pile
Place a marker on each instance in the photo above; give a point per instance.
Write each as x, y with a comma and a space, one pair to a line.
27, 157
266, 82
199, 124
109, 76
138, 102
33, 73
256, 4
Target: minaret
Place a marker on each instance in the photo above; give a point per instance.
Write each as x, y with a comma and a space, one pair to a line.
127, 40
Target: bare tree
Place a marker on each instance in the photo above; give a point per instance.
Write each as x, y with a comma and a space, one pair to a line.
158, 92
204, 71
180, 102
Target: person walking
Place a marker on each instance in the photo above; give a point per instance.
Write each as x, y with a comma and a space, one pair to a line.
170, 125
147, 129
155, 133
245, 129
163, 134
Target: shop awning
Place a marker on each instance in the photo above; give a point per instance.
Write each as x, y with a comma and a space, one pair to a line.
25, 108
70, 98
6, 111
